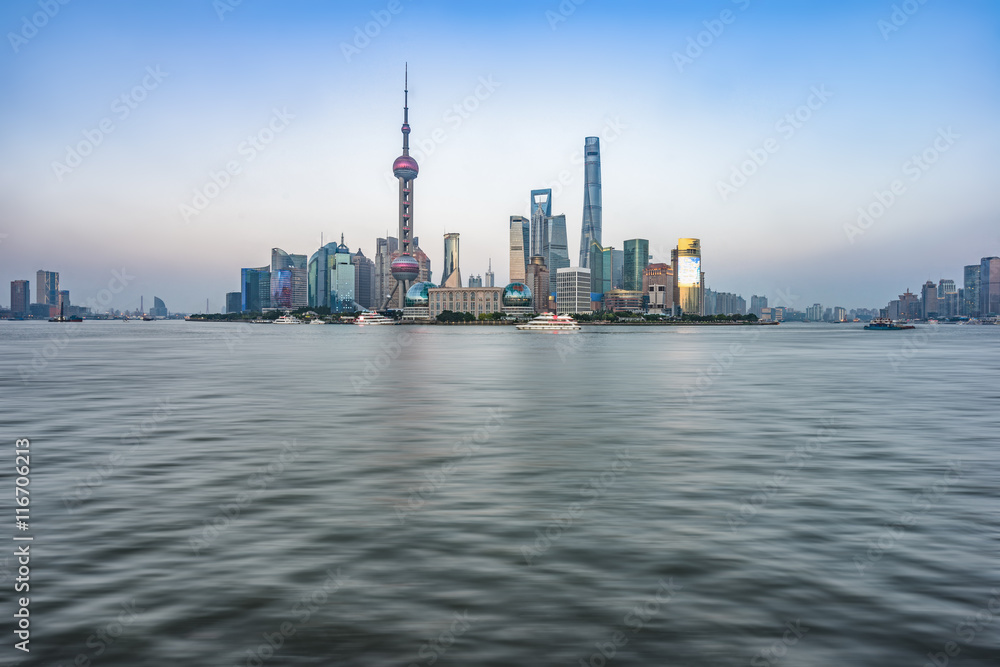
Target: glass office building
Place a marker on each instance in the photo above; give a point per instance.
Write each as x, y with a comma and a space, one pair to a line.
592, 217
635, 261
989, 286
256, 291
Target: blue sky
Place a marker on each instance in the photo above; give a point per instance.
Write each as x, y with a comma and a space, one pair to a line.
674, 131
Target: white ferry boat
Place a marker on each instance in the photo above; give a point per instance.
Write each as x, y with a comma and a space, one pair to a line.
288, 319
550, 322
372, 318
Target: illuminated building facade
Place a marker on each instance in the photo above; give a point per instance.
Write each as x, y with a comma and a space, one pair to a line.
474, 300
689, 277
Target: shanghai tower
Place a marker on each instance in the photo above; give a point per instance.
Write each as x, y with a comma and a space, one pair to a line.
591, 230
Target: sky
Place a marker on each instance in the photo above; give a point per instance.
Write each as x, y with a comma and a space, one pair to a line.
837, 153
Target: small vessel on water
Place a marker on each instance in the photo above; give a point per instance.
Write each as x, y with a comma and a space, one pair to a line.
372, 318
886, 324
288, 319
317, 320
62, 316
550, 322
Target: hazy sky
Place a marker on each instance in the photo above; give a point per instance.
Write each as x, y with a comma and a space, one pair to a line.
116, 113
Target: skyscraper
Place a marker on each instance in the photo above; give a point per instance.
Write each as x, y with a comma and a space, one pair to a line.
233, 302
452, 274
929, 301
757, 304
537, 279
592, 221
20, 297
636, 260
688, 276
47, 287
364, 280
520, 242
541, 211
405, 268
556, 250
256, 290
385, 250
573, 292
970, 305
989, 286
490, 278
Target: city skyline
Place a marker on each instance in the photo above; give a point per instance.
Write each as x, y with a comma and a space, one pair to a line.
786, 169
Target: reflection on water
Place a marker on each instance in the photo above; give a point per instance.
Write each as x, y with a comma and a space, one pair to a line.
206, 494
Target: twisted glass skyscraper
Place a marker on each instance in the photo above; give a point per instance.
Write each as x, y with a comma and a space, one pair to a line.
591, 231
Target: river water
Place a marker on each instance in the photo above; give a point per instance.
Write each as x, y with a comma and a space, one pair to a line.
223, 494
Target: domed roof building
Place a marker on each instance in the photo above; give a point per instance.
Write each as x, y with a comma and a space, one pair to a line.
517, 299
417, 301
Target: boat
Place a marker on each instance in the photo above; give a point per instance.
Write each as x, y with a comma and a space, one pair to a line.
371, 318
288, 319
316, 321
886, 324
550, 322
147, 318
62, 316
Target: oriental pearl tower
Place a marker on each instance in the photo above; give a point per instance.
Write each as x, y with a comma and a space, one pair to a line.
405, 268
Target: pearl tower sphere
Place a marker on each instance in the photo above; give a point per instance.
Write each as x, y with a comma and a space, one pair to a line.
405, 267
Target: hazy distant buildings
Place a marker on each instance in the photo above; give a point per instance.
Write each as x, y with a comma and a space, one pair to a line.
475, 281
757, 304
636, 259
490, 277
20, 298
520, 243
928, 301
47, 287
688, 276
989, 287
970, 301
159, 308
814, 313
233, 302
573, 290
590, 232
839, 314
451, 275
